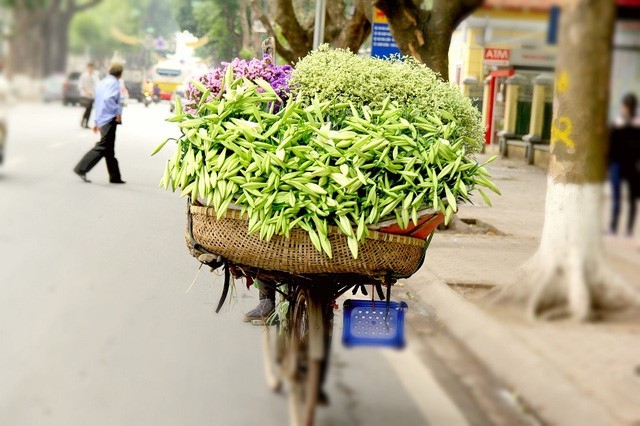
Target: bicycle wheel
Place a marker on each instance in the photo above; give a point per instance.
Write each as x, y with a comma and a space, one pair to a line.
306, 355
274, 346
323, 398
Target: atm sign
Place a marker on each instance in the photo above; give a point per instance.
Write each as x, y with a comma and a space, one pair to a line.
497, 56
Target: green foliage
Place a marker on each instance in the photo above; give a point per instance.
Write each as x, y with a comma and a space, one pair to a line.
87, 32
90, 30
212, 21
342, 76
28, 4
158, 15
247, 54
185, 17
319, 162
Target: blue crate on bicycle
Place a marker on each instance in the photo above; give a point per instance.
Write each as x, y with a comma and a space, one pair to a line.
369, 323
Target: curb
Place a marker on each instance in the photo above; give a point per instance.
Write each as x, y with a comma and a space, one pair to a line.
552, 395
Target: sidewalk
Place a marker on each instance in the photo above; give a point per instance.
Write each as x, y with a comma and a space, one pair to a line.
568, 373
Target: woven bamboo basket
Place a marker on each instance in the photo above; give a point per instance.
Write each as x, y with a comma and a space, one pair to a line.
380, 255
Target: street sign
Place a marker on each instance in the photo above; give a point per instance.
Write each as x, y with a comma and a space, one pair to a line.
554, 21
628, 10
496, 56
382, 42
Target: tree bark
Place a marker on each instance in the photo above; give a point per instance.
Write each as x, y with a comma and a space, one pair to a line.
355, 31
299, 39
26, 43
256, 8
580, 132
335, 19
39, 43
568, 275
245, 25
426, 34
339, 31
56, 36
230, 20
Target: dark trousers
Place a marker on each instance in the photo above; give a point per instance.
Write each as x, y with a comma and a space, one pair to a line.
87, 111
104, 148
634, 196
617, 177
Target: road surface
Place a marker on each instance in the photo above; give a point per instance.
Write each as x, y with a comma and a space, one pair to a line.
96, 323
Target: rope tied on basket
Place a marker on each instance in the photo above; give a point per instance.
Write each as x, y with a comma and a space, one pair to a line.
225, 288
214, 261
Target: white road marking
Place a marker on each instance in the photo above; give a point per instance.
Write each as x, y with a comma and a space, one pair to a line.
434, 404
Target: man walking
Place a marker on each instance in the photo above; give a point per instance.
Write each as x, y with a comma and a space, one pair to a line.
107, 117
87, 86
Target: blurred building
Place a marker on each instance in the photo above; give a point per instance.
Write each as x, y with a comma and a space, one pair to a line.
521, 26
506, 41
504, 56
625, 74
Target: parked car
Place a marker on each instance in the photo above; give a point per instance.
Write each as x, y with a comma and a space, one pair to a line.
134, 88
179, 94
133, 80
70, 89
52, 88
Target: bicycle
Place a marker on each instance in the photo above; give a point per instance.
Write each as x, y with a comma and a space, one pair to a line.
297, 341
297, 338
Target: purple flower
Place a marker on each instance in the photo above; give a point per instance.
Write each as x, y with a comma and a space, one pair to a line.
276, 75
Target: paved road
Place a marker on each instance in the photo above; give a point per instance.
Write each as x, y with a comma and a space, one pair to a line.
96, 326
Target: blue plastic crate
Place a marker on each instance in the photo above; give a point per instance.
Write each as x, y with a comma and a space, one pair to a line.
368, 323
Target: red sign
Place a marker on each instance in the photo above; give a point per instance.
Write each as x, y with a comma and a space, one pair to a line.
379, 16
628, 3
497, 56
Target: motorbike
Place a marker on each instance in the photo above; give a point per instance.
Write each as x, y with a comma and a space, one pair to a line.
149, 98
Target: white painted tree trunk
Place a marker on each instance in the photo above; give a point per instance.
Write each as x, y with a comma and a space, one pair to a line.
568, 275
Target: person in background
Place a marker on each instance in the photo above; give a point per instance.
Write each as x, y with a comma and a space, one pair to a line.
107, 117
148, 87
624, 153
87, 86
156, 91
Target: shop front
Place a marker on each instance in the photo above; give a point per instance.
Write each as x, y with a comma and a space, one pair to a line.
509, 91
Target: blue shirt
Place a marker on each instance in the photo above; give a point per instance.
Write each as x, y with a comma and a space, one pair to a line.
107, 100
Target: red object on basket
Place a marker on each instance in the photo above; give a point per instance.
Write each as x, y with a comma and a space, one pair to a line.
426, 225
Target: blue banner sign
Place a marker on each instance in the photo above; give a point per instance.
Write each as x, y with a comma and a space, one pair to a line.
382, 42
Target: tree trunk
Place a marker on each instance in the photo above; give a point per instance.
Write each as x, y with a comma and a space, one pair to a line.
355, 31
339, 31
245, 25
26, 44
568, 275
56, 35
300, 40
335, 19
229, 10
426, 34
26, 54
256, 8
39, 41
